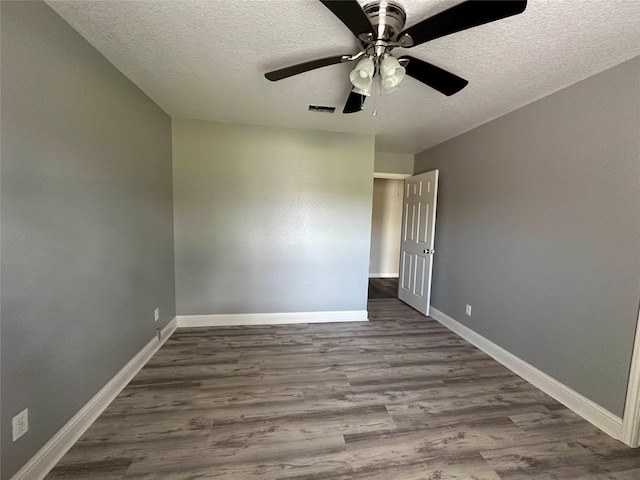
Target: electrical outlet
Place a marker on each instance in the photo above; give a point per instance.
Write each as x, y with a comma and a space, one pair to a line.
20, 424
156, 314
468, 310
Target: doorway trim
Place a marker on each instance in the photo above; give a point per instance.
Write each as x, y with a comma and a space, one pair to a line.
631, 417
392, 176
386, 176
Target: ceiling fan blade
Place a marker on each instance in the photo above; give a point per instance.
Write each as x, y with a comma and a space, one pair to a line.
305, 67
350, 13
460, 17
435, 77
355, 103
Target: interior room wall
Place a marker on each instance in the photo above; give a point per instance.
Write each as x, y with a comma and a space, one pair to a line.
386, 224
270, 220
86, 224
393, 163
538, 227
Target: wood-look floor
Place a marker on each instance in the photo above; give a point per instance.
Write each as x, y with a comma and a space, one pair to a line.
399, 397
383, 288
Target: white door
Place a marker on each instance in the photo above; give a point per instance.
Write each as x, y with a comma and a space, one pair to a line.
416, 247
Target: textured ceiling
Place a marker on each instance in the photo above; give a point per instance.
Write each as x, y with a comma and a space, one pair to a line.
206, 60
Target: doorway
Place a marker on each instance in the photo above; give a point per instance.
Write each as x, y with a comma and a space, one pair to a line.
386, 226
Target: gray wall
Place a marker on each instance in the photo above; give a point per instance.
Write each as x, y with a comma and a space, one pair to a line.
87, 229
538, 227
270, 220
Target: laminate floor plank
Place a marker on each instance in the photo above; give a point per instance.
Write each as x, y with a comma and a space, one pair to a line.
318, 465
398, 397
383, 288
421, 466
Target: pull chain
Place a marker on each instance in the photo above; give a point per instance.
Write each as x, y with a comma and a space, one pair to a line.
376, 94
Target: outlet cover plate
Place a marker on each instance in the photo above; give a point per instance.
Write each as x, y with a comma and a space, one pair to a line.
20, 424
156, 314
467, 310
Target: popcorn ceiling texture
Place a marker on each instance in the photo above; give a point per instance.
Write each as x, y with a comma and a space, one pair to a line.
207, 59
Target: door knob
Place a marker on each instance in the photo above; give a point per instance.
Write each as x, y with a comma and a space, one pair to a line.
426, 250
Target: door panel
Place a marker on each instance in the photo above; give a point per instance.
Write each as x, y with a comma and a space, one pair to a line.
406, 270
418, 286
416, 251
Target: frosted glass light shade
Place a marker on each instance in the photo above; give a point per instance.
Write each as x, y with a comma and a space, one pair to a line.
362, 76
391, 72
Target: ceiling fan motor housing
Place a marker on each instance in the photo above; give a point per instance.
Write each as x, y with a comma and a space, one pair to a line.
387, 18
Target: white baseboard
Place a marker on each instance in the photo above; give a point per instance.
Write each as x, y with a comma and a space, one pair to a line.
383, 275
271, 318
587, 409
51, 453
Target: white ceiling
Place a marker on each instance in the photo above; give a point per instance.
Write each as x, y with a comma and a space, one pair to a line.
206, 60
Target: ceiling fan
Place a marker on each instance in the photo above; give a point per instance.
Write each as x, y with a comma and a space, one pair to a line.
379, 29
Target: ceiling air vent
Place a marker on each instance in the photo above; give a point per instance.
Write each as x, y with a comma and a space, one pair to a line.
321, 109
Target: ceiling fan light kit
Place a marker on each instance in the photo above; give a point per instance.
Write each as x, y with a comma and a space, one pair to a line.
379, 28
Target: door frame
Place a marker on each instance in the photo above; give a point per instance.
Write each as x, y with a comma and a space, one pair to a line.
631, 415
384, 176
392, 176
